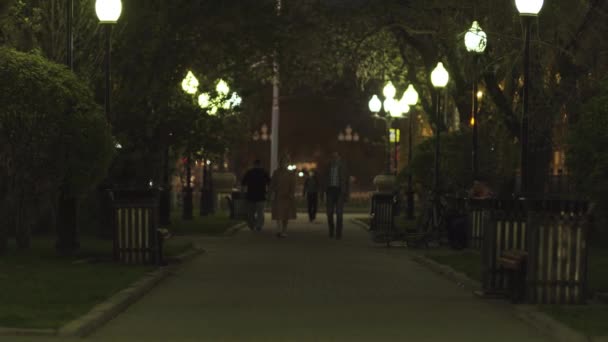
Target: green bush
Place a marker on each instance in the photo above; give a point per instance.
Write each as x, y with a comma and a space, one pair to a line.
497, 158
52, 135
587, 153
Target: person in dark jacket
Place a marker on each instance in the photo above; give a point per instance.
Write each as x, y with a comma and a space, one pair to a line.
256, 180
336, 184
311, 193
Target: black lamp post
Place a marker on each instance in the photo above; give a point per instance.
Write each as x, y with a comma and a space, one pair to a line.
108, 12
475, 40
411, 99
391, 108
165, 193
439, 78
206, 203
528, 10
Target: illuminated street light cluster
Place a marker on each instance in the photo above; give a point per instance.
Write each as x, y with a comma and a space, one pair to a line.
393, 107
190, 85
263, 134
348, 135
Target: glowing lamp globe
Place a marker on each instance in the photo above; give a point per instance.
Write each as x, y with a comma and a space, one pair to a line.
404, 108
204, 100
391, 106
440, 76
389, 90
190, 83
475, 39
375, 104
222, 88
108, 11
410, 96
529, 7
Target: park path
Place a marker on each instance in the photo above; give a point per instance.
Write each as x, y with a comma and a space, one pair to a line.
255, 287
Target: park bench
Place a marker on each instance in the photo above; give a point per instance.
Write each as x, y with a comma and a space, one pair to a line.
513, 263
553, 233
137, 236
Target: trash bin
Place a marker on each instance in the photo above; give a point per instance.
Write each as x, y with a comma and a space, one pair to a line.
238, 210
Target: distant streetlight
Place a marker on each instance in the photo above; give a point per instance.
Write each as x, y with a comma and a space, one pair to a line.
410, 97
475, 40
439, 79
348, 135
262, 134
528, 10
387, 111
108, 12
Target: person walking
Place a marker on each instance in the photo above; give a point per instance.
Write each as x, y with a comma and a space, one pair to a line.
310, 192
283, 187
337, 193
256, 180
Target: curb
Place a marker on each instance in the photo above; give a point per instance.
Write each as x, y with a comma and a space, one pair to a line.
360, 224
458, 277
110, 308
527, 313
27, 332
234, 229
191, 253
104, 312
548, 325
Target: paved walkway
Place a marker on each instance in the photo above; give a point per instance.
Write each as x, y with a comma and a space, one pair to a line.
255, 287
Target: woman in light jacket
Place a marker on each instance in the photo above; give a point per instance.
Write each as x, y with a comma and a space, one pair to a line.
283, 187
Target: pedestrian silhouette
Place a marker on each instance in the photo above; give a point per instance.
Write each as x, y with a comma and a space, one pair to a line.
256, 181
337, 193
283, 187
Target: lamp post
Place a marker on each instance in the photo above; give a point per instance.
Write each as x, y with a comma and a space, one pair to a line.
206, 205
439, 79
391, 108
108, 12
348, 135
410, 97
475, 40
528, 10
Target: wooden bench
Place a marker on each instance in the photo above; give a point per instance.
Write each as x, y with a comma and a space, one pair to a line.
514, 262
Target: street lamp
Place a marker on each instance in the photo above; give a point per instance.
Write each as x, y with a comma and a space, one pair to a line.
439, 79
348, 135
410, 97
108, 12
392, 109
475, 40
528, 10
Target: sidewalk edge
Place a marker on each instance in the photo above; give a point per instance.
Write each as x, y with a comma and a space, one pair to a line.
110, 308
528, 313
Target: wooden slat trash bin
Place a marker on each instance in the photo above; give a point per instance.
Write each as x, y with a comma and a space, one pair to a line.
557, 265
382, 221
238, 205
479, 211
137, 238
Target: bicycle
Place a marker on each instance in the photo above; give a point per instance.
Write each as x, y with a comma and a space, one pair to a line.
432, 226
